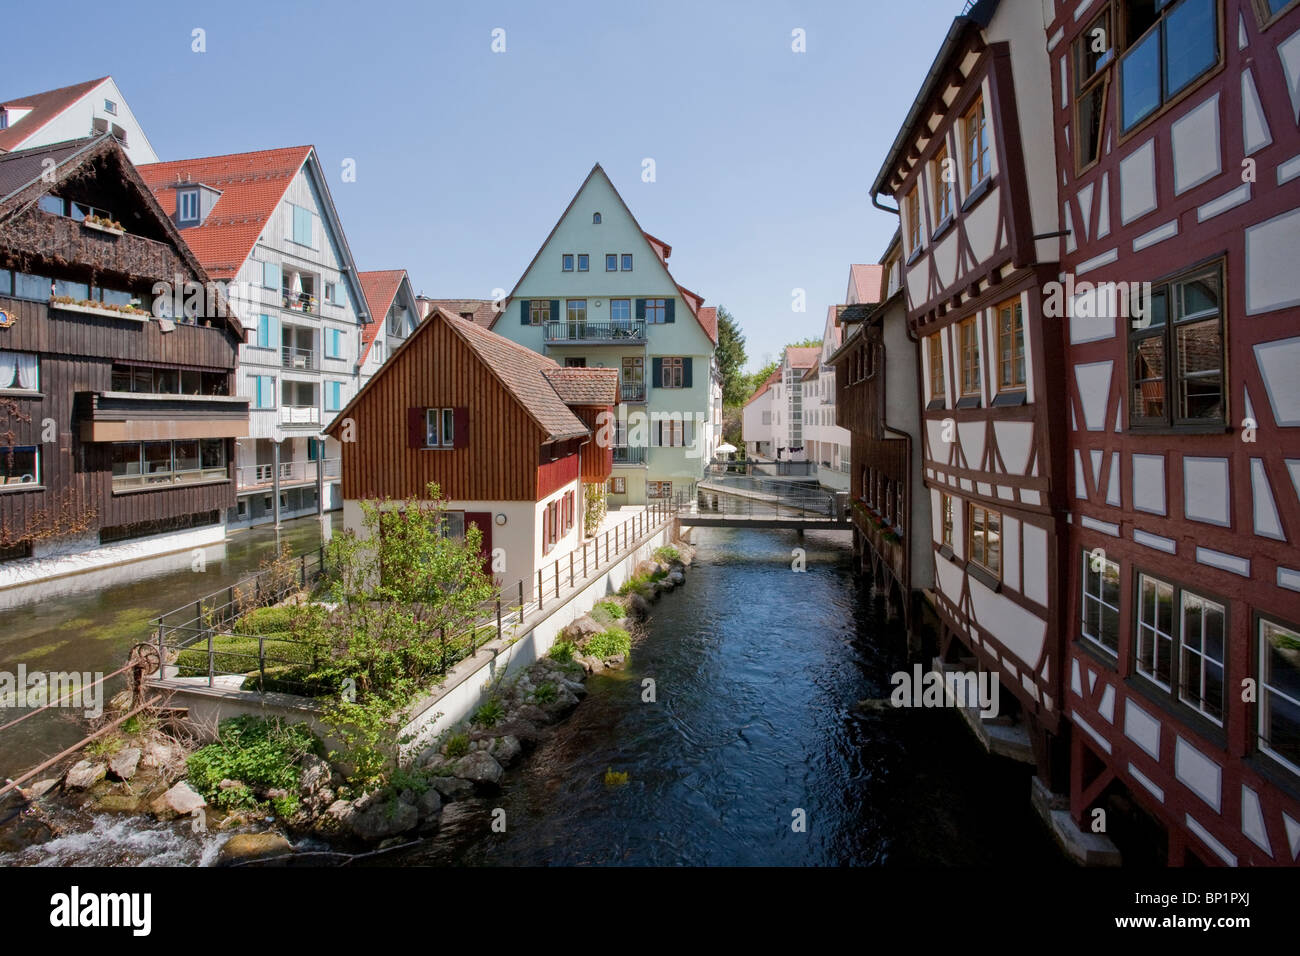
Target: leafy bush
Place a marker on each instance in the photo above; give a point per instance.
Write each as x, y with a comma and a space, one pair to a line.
640, 584
546, 693
668, 554
562, 651
489, 714
457, 745
261, 754
613, 609
608, 643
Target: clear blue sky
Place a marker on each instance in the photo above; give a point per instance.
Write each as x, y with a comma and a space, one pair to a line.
466, 158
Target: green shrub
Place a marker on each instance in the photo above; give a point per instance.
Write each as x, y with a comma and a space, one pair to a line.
546, 693
640, 584
104, 746
261, 754
562, 651
668, 554
609, 643
613, 609
457, 745
490, 713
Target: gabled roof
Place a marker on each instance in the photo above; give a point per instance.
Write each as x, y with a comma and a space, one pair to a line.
804, 356
584, 386
865, 283
251, 186
708, 316
44, 107
525, 374
660, 248
762, 389
380, 289
478, 311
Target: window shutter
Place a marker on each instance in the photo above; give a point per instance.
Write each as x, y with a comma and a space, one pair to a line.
657, 374
555, 310
460, 427
523, 311
669, 306
416, 430
640, 310
686, 372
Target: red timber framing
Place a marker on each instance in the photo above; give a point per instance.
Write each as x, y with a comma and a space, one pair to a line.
993, 453
1185, 489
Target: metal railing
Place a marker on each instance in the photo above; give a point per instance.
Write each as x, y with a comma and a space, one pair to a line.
299, 415
633, 392
628, 455
291, 472
187, 476
291, 357
719, 501
584, 331
298, 301
202, 639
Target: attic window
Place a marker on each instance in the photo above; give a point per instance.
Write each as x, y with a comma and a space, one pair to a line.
187, 206
595, 219
110, 107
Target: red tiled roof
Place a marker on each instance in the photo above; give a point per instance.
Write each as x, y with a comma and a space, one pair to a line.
708, 316
584, 386
251, 186
661, 248
804, 356
380, 288
478, 311
44, 107
865, 283
771, 380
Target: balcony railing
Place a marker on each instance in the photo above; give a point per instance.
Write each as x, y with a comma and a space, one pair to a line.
299, 415
299, 302
188, 476
616, 332
633, 392
624, 455
298, 358
291, 472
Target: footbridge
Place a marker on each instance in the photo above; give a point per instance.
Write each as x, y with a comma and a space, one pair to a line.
732, 501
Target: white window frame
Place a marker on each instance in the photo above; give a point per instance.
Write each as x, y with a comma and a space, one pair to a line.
1099, 599
1267, 689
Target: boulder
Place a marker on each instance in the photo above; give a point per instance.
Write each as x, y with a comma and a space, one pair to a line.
638, 606
616, 660
480, 768
677, 577
120, 803
429, 804
533, 715
85, 775
576, 688
124, 763
179, 801
431, 758
161, 753
244, 847
522, 730
582, 628
564, 702
505, 750
383, 819
314, 775
40, 788
452, 788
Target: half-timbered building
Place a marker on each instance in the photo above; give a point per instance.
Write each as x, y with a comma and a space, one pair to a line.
1179, 164
511, 438
117, 407
979, 222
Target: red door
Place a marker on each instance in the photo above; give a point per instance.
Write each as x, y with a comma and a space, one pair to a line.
484, 521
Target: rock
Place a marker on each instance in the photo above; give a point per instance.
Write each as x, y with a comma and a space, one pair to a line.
432, 759
384, 819
124, 763
313, 776
429, 804
505, 750
338, 812
161, 753
40, 788
179, 801
593, 665
452, 788
407, 796
615, 661
120, 803
533, 715
576, 688
243, 847
564, 702
480, 768
677, 577
638, 606
665, 584
582, 628
228, 784
85, 775
522, 730
276, 793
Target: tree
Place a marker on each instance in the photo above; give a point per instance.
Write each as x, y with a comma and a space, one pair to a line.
731, 358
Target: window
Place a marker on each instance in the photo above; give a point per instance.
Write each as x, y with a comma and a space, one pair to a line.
659, 489
539, 311
331, 292
187, 206
611, 262
1101, 601
575, 362
302, 225
566, 262
970, 357
263, 391
1180, 353
975, 126
584, 262
264, 335
333, 396
673, 433
627, 262
934, 349
19, 371
32, 287
1180, 643
1269, 10
440, 428
618, 486
941, 175
1169, 45
595, 219
1279, 693
912, 210
985, 542
673, 374
655, 311
271, 275
1011, 346
946, 513
110, 107
145, 464
575, 310
1093, 52
333, 343
20, 465
620, 311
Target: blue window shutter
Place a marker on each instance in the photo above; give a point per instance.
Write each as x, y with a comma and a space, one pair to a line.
640, 310
668, 310
686, 372
271, 275
555, 310
657, 372
523, 311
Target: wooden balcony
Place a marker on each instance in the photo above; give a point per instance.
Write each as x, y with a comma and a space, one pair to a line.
144, 416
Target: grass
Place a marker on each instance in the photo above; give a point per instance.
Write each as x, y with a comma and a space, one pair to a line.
104, 746
490, 713
642, 584
606, 613
609, 643
562, 651
668, 554
546, 693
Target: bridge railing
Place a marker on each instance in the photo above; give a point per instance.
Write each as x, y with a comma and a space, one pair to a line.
718, 501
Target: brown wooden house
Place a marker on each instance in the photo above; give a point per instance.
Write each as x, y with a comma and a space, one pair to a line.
116, 412
511, 439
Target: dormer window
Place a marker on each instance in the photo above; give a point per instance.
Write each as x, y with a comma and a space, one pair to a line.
187, 206
110, 107
4, 119
595, 219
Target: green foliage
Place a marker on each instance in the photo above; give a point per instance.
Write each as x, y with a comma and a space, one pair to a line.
608, 643
614, 778
490, 713
545, 693
261, 754
640, 584
562, 651
104, 746
731, 358
805, 344
668, 554
457, 745
607, 612
596, 503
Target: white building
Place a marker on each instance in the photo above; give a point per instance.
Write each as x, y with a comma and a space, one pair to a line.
394, 314
73, 112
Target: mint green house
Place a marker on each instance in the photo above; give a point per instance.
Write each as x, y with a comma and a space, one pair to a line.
599, 294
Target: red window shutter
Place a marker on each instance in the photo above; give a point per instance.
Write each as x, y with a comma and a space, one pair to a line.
416, 430
460, 427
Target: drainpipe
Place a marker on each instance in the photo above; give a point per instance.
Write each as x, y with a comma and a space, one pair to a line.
275, 482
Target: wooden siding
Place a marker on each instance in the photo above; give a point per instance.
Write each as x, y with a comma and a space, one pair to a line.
597, 462
554, 475
436, 369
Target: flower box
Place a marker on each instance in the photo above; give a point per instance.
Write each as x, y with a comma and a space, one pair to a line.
135, 315
103, 227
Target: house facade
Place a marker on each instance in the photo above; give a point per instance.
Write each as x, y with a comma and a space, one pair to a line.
394, 314
826, 442
118, 407
1181, 306
73, 112
758, 420
509, 436
264, 222
979, 223
598, 294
